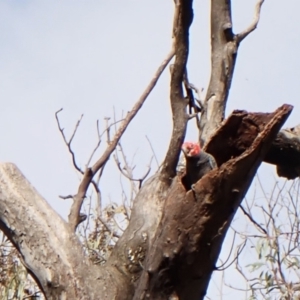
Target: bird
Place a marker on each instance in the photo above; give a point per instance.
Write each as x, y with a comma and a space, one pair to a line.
198, 162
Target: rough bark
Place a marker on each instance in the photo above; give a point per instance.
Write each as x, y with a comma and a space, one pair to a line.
132, 248
72, 276
184, 11
174, 236
224, 49
194, 223
50, 250
168, 232
285, 153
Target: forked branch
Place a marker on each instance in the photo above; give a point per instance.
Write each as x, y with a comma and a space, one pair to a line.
254, 23
90, 172
127, 171
224, 51
69, 142
184, 13
192, 229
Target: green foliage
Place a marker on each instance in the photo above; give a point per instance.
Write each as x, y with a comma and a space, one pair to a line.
15, 282
275, 273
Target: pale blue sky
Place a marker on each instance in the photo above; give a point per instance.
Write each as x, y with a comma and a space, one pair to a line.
90, 56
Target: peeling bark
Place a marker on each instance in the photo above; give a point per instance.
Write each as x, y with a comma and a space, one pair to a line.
285, 153
124, 264
173, 238
184, 11
170, 247
132, 248
194, 223
242, 127
50, 250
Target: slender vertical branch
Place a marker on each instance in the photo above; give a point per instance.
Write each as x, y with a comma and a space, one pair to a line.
223, 55
184, 11
254, 23
224, 48
90, 172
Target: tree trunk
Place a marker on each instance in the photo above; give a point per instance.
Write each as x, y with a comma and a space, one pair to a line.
173, 238
170, 247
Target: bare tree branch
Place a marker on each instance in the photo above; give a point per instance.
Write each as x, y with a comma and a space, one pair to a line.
131, 114
253, 221
238, 252
154, 155
68, 143
130, 176
97, 145
253, 25
66, 197
184, 13
225, 262
189, 88
51, 252
223, 57
193, 226
224, 51
90, 172
104, 223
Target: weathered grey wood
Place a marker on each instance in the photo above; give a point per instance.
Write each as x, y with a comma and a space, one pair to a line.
50, 250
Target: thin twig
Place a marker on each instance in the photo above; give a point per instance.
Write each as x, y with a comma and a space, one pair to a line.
90, 172
130, 176
253, 221
114, 233
34, 295
183, 18
152, 149
199, 101
190, 94
239, 251
225, 262
97, 145
66, 197
68, 143
131, 114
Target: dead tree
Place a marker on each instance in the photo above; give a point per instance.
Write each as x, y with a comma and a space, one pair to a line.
174, 236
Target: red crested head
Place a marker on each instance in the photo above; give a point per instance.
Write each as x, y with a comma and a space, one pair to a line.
190, 149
